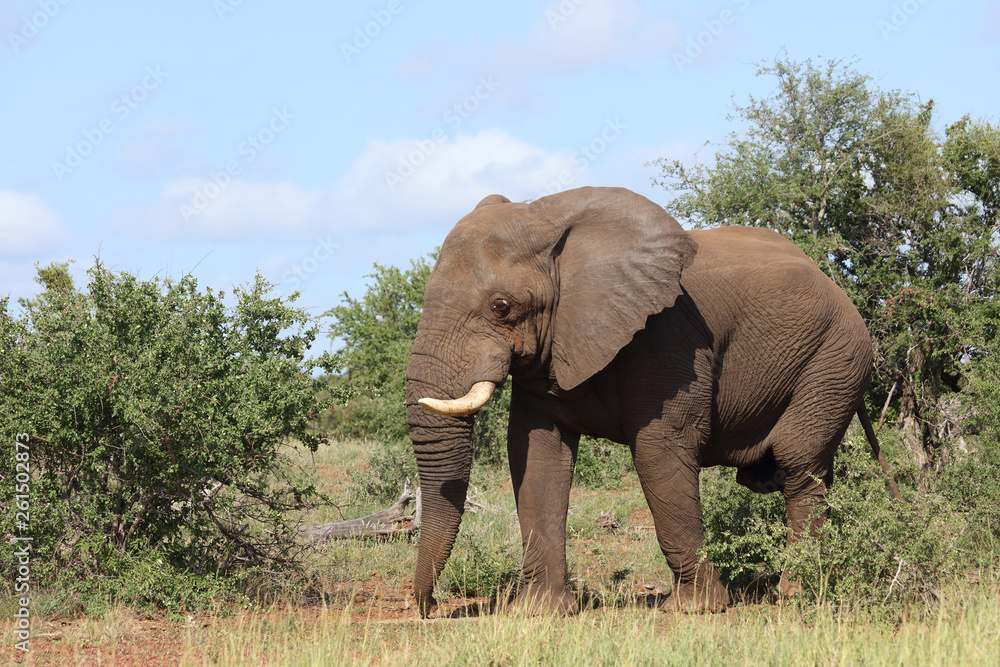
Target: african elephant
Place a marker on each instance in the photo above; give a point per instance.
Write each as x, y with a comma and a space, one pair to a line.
719, 347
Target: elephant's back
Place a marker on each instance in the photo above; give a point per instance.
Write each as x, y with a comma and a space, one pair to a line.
771, 311
746, 269
744, 248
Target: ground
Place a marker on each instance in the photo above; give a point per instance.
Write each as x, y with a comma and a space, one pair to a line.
359, 607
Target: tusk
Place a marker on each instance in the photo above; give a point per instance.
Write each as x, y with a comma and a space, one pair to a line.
461, 407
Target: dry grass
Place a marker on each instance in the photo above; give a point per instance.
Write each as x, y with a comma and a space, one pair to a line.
964, 630
358, 609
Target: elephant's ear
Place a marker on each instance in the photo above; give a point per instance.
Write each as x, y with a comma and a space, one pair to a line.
618, 260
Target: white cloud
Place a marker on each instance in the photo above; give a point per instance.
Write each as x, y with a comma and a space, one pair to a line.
223, 209
406, 184
27, 225
423, 174
410, 185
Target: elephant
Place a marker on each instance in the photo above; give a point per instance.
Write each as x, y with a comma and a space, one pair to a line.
725, 346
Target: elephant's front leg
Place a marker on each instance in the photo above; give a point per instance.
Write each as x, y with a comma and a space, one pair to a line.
542, 458
668, 473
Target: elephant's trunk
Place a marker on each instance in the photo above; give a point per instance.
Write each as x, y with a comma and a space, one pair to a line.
462, 378
443, 449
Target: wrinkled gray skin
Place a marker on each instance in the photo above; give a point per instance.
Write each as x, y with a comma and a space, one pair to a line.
694, 349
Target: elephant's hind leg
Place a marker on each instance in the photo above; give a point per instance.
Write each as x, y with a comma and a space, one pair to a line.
804, 444
805, 506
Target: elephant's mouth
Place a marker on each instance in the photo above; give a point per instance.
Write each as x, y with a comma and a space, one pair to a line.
467, 405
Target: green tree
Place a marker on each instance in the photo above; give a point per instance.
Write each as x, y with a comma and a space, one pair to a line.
376, 334
157, 415
904, 220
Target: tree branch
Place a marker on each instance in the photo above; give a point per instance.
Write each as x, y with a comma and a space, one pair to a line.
384, 523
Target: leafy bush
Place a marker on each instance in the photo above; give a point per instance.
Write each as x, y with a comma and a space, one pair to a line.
156, 416
744, 530
145, 578
872, 551
489, 434
486, 560
601, 464
376, 334
389, 466
903, 219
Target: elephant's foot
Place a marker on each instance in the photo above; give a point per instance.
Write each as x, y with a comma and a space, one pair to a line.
788, 587
697, 598
537, 600
426, 605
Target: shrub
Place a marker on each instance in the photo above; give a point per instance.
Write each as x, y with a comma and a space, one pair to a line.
744, 530
601, 464
489, 434
872, 551
389, 466
157, 416
376, 335
486, 560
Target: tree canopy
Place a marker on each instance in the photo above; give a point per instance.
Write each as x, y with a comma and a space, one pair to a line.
903, 217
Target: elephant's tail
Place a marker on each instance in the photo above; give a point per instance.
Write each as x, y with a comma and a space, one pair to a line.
866, 424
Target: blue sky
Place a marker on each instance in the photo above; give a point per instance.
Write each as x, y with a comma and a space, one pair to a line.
307, 141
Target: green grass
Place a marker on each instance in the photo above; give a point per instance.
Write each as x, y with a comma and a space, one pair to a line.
352, 604
964, 630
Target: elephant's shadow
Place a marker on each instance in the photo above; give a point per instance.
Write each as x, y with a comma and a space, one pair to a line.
474, 609
761, 591
586, 600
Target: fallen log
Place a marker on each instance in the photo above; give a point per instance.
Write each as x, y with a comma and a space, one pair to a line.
382, 524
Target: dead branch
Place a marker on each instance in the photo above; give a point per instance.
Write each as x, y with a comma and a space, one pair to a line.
607, 521
381, 524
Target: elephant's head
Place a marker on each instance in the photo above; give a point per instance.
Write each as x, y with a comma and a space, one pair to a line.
550, 290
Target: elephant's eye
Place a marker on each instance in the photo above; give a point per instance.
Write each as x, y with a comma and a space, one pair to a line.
500, 307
